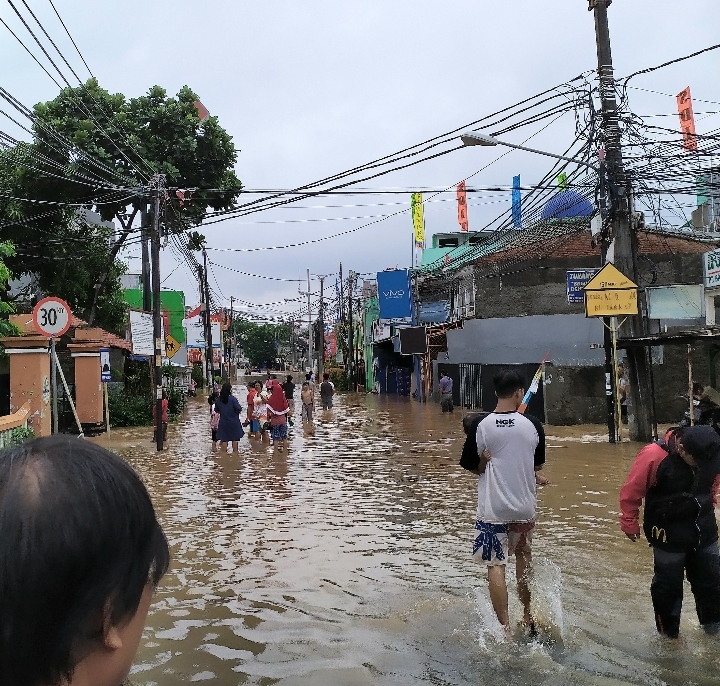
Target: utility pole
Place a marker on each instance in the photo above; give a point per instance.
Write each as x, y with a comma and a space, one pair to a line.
144, 235
209, 359
231, 338
158, 182
351, 342
342, 297
321, 317
621, 230
310, 331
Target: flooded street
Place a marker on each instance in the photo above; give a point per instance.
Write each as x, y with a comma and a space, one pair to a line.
347, 561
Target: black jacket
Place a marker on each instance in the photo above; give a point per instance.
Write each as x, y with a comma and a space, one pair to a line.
679, 512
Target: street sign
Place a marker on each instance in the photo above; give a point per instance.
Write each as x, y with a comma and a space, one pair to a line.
171, 346
613, 302
711, 268
610, 294
105, 373
52, 317
577, 279
609, 277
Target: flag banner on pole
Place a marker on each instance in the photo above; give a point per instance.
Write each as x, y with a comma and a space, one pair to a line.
562, 181
462, 206
516, 203
202, 111
416, 205
687, 120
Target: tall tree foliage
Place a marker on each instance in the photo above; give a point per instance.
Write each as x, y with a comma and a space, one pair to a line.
99, 150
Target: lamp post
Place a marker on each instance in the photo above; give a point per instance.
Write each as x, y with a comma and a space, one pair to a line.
475, 138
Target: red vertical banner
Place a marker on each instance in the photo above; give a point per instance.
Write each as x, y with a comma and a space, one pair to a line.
462, 206
687, 119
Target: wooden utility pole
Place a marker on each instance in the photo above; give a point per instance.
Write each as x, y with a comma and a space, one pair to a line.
145, 273
351, 343
159, 188
321, 317
209, 357
620, 229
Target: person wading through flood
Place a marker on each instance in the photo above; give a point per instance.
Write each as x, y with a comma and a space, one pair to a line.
509, 453
327, 391
679, 480
446, 393
289, 389
307, 395
277, 409
229, 427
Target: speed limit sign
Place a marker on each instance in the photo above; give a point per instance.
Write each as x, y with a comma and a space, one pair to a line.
52, 317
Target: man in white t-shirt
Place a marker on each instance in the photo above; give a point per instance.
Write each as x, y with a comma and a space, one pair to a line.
511, 449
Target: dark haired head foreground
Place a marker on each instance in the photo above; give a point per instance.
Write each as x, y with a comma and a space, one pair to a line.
81, 551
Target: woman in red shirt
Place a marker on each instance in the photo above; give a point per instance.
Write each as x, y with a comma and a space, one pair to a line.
164, 418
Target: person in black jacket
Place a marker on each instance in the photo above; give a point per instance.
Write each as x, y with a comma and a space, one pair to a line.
679, 481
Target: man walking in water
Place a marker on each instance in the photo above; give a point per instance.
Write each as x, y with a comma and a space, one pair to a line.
679, 481
327, 391
511, 449
446, 393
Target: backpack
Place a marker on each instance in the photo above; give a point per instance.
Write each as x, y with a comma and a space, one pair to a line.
214, 419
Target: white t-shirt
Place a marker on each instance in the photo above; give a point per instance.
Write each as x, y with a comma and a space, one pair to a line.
506, 491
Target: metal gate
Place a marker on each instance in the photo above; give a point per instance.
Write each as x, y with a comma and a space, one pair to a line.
470, 386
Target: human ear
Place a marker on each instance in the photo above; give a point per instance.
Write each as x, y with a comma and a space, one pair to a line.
111, 638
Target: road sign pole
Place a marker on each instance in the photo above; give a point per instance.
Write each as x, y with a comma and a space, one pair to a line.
53, 385
616, 377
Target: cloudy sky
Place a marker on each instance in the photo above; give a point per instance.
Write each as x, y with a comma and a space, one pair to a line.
312, 88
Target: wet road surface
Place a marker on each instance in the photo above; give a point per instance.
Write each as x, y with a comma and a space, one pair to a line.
347, 561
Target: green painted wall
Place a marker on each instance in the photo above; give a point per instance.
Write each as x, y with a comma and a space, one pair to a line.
170, 301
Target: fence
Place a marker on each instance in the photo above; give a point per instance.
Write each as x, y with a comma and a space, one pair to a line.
10, 422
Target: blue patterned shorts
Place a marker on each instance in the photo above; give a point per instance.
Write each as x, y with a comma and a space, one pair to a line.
279, 432
496, 542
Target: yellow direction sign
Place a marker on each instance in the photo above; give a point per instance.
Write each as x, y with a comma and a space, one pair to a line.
610, 294
608, 278
171, 346
613, 302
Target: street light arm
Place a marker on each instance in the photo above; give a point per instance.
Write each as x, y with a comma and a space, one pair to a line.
473, 138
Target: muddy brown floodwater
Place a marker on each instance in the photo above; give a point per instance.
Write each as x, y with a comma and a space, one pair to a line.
347, 561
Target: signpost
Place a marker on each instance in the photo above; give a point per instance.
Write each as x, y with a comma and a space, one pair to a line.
52, 318
105, 377
611, 294
577, 279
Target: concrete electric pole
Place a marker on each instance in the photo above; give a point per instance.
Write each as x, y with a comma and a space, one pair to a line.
158, 182
620, 230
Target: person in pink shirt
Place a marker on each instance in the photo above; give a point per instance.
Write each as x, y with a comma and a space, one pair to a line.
678, 479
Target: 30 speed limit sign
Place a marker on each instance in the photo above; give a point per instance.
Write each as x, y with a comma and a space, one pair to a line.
52, 317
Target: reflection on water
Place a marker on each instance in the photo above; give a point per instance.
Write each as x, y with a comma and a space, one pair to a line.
347, 561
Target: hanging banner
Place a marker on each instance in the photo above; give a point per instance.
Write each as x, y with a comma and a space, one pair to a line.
394, 296
462, 206
687, 120
516, 203
416, 206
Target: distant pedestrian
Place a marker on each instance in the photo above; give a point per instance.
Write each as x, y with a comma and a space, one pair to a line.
260, 411
87, 554
164, 418
310, 380
307, 395
278, 409
229, 427
327, 391
446, 393
289, 389
679, 481
250, 421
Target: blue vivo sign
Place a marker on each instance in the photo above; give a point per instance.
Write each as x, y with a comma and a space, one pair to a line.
394, 296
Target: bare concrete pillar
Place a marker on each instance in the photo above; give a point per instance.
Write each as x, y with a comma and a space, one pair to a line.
30, 379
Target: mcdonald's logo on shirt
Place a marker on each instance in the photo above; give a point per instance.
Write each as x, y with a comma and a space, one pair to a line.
659, 534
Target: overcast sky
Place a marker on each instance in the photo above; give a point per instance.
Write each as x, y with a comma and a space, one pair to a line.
311, 88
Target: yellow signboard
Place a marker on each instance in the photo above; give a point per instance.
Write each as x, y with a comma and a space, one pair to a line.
171, 346
613, 302
609, 277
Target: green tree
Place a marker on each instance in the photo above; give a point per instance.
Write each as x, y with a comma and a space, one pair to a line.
99, 150
259, 342
6, 328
